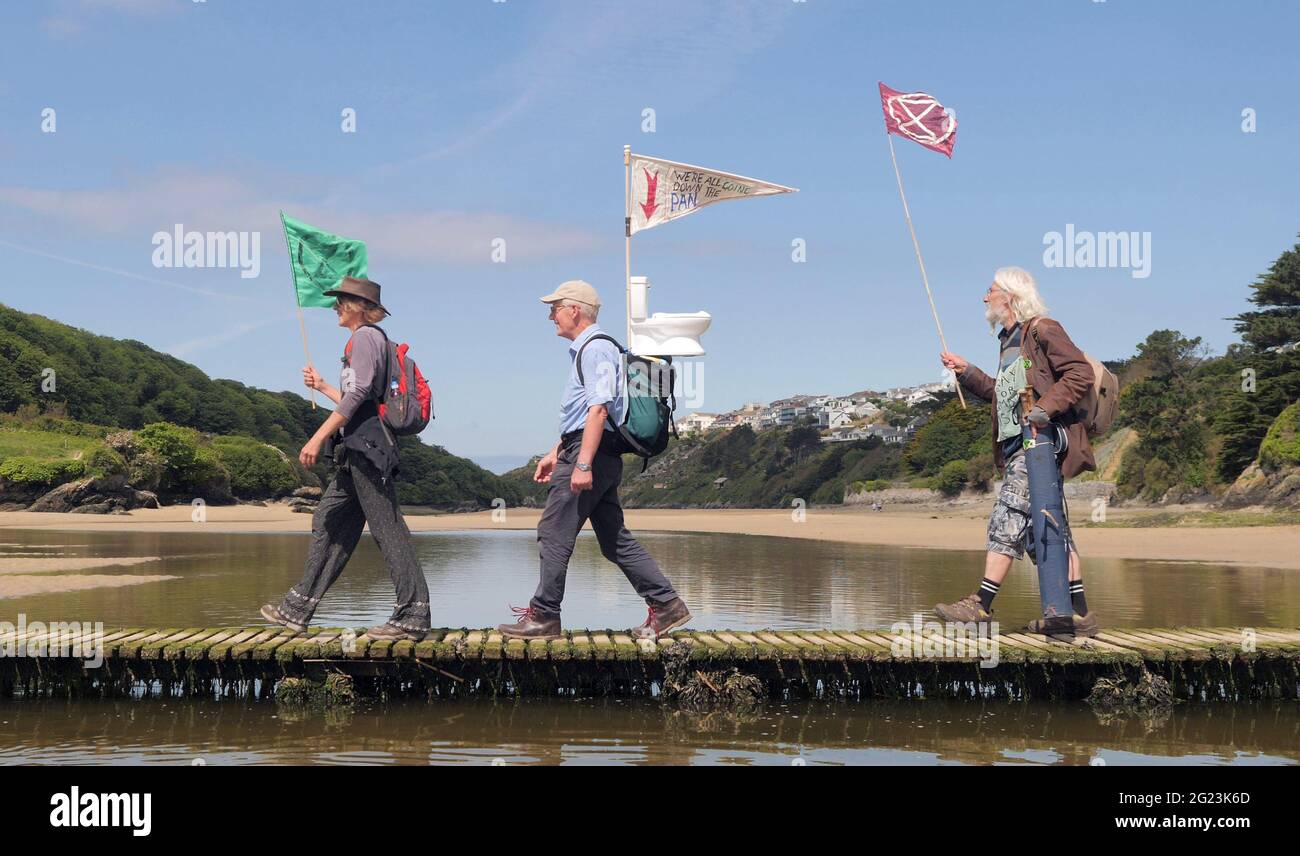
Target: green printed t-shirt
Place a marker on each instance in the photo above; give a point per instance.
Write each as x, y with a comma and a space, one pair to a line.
1011, 379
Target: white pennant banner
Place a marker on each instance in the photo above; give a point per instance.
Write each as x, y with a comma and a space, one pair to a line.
665, 190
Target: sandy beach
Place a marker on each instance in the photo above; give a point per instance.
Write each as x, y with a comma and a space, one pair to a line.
934, 528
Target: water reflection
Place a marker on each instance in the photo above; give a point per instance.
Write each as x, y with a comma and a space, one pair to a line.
731, 581
548, 731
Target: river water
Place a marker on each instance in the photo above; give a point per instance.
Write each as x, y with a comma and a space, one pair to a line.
730, 581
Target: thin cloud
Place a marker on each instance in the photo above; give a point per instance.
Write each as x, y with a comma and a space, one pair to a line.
122, 273
589, 46
183, 349
72, 16
207, 201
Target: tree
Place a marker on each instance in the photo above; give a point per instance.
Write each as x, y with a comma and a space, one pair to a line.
1241, 428
1277, 293
1165, 411
952, 434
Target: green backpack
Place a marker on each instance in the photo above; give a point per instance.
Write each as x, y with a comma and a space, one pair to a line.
649, 403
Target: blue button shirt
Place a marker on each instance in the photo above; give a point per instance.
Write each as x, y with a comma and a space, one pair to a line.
602, 371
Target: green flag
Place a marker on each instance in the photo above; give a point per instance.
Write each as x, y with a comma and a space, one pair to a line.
320, 261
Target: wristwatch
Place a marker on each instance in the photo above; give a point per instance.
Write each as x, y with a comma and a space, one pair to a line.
586, 468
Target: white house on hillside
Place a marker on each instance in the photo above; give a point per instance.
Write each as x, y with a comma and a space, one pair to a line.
834, 417
696, 422
918, 396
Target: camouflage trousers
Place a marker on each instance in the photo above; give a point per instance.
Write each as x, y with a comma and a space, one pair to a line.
1010, 532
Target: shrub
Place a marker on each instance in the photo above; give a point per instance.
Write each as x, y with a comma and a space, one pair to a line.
27, 471
145, 471
176, 447
188, 465
981, 471
1157, 478
256, 469
951, 478
1281, 446
104, 462
1130, 473
123, 442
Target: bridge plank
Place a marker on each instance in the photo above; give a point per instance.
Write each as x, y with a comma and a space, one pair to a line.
580, 646
1144, 648
493, 645
266, 650
762, 650
427, 648
131, 648
175, 650
244, 650
222, 649
605, 649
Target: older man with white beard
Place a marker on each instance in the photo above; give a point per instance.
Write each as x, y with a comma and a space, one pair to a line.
1048, 362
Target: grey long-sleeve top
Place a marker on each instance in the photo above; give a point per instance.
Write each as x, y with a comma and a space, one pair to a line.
357, 382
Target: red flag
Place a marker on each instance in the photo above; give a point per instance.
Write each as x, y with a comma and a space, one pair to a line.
919, 117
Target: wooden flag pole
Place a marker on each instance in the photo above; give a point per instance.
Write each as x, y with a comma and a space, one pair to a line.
920, 261
302, 325
627, 239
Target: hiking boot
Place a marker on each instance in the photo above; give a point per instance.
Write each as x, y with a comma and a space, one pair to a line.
531, 625
661, 619
275, 616
1078, 625
392, 631
964, 611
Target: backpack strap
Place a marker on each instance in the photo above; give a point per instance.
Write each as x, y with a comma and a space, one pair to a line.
1032, 326
347, 357
578, 357
609, 417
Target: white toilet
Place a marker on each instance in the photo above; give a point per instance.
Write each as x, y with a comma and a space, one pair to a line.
664, 334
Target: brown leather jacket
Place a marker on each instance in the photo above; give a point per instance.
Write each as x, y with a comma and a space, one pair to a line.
1060, 376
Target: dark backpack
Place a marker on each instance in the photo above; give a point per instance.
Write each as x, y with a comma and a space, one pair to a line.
648, 403
406, 406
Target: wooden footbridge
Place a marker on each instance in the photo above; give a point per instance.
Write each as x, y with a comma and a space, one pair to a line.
1232, 664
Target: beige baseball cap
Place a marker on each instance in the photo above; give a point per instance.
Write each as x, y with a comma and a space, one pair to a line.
574, 289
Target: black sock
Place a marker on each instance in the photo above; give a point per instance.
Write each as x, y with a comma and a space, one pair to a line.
988, 591
1077, 600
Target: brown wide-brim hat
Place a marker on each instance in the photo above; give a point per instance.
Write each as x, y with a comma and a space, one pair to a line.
351, 286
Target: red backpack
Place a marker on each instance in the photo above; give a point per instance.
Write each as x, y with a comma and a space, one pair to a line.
407, 404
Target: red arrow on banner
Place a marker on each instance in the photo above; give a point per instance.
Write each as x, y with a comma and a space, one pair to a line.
651, 182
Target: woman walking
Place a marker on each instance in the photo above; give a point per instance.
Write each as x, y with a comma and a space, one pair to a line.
362, 490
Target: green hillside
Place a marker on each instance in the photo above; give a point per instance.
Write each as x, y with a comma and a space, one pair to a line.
101, 385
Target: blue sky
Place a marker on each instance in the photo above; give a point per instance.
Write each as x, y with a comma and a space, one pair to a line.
479, 120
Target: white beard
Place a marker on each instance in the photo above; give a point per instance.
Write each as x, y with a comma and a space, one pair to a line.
995, 320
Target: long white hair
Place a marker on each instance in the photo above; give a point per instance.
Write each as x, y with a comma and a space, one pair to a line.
1019, 284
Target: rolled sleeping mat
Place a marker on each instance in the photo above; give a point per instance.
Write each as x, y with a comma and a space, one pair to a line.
1047, 515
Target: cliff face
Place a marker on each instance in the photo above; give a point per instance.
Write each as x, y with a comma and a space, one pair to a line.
1279, 489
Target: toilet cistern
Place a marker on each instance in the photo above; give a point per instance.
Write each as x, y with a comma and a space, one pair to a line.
663, 334
638, 297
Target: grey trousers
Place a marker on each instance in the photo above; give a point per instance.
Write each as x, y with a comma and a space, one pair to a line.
356, 496
563, 519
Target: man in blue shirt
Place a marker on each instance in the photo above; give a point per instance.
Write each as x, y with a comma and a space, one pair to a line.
584, 471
